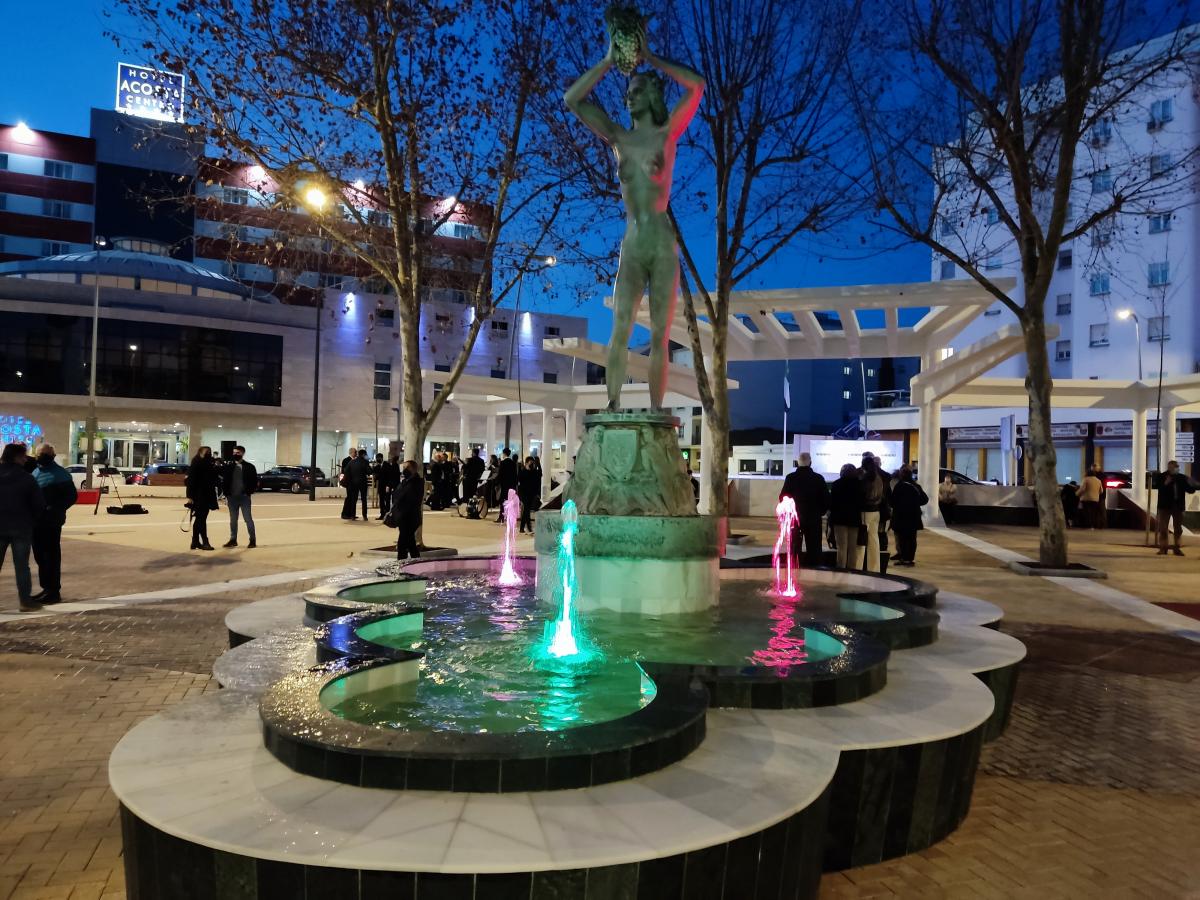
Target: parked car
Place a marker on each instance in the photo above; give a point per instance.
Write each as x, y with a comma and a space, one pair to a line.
290, 478
1117, 479
162, 474
955, 477
79, 474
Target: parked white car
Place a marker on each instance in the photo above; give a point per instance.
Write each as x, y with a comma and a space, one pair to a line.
79, 474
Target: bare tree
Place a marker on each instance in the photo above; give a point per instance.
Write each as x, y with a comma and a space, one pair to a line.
991, 127
396, 117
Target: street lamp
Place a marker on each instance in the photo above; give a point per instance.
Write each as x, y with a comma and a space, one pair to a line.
99, 243
1124, 314
316, 200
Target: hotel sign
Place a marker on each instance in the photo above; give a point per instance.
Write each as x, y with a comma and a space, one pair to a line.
19, 430
149, 93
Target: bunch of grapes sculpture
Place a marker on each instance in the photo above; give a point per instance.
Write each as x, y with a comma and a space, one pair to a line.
627, 29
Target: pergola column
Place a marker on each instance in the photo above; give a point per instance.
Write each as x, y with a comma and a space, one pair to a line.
546, 454
1167, 426
706, 466
929, 446
491, 436
1140, 422
572, 439
464, 433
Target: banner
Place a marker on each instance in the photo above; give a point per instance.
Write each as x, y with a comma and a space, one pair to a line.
830, 454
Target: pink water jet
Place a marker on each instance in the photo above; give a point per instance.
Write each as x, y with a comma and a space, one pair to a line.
512, 512
786, 515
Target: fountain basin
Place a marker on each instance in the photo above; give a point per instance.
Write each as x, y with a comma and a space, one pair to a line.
338, 598
371, 634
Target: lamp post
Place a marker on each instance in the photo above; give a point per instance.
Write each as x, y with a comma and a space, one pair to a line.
315, 199
546, 263
1123, 315
99, 243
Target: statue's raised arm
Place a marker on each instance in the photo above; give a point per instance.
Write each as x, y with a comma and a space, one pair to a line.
588, 112
693, 90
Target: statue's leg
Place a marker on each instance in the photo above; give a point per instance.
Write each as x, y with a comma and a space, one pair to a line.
627, 297
664, 288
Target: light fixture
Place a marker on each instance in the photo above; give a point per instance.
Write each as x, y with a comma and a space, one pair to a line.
1123, 314
256, 172
220, 426
551, 260
133, 347
350, 298
237, 368
260, 428
20, 374
359, 184
452, 200
315, 197
23, 134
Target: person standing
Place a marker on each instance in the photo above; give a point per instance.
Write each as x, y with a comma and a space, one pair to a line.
529, 492
491, 481
202, 480
947, 499
350, 504
59, 495
845, 515
388, 476
1070, 502
1090, 494
360, 480
437, 476
810, 493
239, 481
405, 511
472, 472
874, 488
1173, 488
21, 505
507, 478
907, 500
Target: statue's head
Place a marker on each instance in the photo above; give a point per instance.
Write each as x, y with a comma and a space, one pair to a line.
645, 94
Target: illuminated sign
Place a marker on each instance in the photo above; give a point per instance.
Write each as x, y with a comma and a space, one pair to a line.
149, 93
19, 430
829, 455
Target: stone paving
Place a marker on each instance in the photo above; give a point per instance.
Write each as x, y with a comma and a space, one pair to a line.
1094, 791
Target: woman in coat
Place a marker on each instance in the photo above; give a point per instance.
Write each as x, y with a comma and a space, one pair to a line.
529, 492
845, 515
202, 477
907, 500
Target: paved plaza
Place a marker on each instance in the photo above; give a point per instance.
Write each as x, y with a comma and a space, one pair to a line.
1094, 791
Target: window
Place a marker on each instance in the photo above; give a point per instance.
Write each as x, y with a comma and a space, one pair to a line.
1098, 335
1160, 274
1099, 285
56, 209
945, 227
442, 320
236, 196
1102, 181
1062, 349
1160, 164
870, 373
1102, 236
379, 217
1064, 259
463, 231
845, 370
498, 373
330, 280
947, 270
845, 395
52, 169
1160, 328
3, 161
499, 325
383, 381
441, 367
552, 331
991, 215
994, 261
1063, 305
1101, 132
3, 201
549, 378
1159, 223
1161, 112
991, 312
55, 248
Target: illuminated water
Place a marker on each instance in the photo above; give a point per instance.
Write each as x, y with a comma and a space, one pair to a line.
785, 514
483, 669
512, 512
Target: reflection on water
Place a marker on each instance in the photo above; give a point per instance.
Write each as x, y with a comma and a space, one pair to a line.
483, 673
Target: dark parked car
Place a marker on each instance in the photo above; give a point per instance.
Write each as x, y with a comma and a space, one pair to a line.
162, 474
1117, 479
290, 478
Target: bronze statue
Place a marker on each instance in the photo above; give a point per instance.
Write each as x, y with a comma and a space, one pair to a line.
645, 165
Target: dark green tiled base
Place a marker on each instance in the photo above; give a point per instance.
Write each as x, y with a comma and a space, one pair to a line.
782, 862
1002, 683
896, 800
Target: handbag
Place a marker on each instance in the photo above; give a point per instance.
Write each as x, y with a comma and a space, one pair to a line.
862, 536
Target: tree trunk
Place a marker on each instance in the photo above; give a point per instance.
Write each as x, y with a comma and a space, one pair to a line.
1052, 526
412, 413
719, 444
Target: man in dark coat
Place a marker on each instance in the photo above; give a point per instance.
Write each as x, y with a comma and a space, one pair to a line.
1173, 488
507, 478
58, 492
472, 472
437, 481
387, 477
405, 512
907, 498
360, 480
239, 480
21, 506
349, 511
810, 493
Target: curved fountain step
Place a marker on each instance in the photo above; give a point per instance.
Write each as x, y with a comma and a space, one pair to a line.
254, 666
253, 620
959, 609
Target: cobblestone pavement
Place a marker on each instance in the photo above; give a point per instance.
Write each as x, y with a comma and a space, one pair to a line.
1094, 791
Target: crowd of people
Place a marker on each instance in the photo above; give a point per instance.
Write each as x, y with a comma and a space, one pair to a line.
862, 504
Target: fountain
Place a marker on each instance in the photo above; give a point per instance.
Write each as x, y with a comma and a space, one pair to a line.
512, 512
786, 515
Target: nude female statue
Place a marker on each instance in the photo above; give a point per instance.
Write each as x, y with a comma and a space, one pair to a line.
645, 165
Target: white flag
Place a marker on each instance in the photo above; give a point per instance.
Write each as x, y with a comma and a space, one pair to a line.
787, 393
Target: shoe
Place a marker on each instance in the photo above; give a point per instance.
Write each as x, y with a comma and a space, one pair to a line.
207, 547
252, 545
48, 599
1177, 552
30, 607
1162, 551
37, 598
897, 558
349, 518
229, 544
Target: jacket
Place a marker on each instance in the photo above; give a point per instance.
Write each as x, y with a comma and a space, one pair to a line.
406, 503
846, 502
58, 491
249, 478
875, 485
473, 469
20, 500
360, 472
1173, 490
808, 489
907, 500
389, 474
202, 479
529, 486
508, 474
1091, 490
